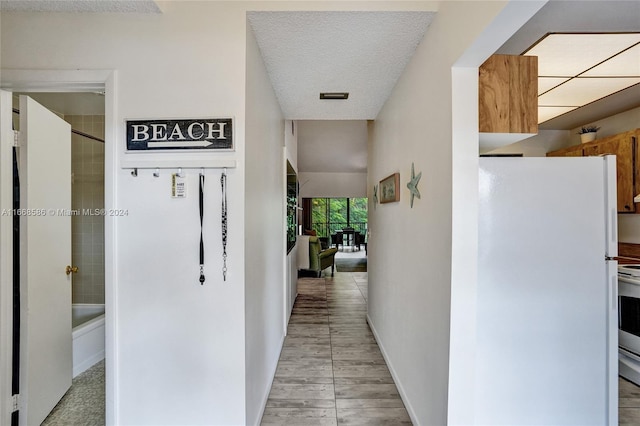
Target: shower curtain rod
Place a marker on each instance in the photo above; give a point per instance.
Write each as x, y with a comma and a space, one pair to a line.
77, 132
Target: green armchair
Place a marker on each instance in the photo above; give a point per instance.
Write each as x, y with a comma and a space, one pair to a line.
320, 259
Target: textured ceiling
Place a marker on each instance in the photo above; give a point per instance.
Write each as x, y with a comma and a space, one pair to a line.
96, 6
363, 53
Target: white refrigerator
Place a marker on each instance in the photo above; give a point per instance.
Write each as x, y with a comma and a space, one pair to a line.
547, 340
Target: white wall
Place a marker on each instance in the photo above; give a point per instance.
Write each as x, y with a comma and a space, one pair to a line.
333, 158
291, 142
336, 185
629, 228
333, 146
410, 248
537, 146
412, 255
265, 243
179, 357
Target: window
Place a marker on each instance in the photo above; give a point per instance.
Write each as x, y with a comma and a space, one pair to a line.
331, 214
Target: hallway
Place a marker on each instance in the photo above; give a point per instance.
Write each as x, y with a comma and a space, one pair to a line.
331, 370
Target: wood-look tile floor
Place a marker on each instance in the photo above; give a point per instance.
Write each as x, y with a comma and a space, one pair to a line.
331, 371
628, 403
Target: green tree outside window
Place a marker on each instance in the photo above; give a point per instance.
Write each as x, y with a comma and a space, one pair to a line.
331, 214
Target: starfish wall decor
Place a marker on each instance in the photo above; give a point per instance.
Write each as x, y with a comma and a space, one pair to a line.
413, 184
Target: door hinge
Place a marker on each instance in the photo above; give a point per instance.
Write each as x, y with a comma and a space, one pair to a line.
16, 138
14, 402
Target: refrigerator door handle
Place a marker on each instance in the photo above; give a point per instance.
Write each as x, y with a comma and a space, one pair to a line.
613, 233
614, 294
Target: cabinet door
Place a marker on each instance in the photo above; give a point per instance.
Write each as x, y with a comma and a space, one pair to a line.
622, 146
508, 94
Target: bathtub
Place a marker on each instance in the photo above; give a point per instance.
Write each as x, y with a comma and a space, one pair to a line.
88, 336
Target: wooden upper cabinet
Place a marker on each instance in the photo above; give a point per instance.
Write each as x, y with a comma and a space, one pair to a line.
572, 151
623, 146
508, 94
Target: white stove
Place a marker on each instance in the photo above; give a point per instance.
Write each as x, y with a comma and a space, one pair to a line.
629, 322
630, 271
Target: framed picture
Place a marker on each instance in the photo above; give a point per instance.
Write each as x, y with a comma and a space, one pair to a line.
390, 189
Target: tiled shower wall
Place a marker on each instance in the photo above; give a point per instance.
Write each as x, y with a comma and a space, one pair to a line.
87, 193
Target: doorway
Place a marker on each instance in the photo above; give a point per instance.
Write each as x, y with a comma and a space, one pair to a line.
32, 81
48, 81
82, 168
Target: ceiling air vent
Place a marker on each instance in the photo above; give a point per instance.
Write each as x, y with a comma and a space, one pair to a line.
334, 95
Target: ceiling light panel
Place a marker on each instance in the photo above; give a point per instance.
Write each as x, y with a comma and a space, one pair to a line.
547, 83
581, 91
547, 113
626, 64
567, 55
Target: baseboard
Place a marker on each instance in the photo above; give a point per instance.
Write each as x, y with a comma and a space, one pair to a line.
88, 363
403, 394
263, 405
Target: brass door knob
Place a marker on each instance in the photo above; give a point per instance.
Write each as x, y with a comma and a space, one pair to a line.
71, 269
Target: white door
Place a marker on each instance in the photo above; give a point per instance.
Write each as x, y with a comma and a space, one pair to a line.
45, 237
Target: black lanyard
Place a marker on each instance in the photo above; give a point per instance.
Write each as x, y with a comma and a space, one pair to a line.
201, 239
223, 184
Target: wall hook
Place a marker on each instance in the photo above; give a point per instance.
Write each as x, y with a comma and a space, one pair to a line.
156, 173
179, 172
134, 172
